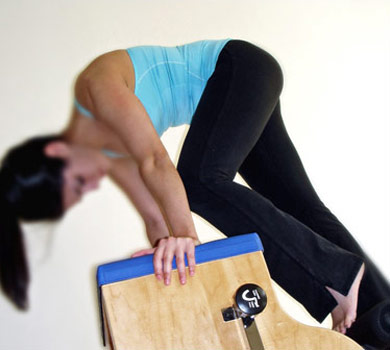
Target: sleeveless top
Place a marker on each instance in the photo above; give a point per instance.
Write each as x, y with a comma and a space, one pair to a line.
169, 81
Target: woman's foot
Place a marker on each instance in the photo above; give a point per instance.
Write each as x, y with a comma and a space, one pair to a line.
372, 329
344, 314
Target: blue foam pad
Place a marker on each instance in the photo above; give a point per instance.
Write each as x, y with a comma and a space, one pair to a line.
143, 265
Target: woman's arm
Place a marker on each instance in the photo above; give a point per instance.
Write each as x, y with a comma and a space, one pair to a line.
124, 173
115, 105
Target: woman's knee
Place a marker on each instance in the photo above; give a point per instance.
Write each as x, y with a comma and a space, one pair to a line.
194, 190
196, 181
187, 177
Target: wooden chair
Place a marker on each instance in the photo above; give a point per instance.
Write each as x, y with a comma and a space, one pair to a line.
210, 312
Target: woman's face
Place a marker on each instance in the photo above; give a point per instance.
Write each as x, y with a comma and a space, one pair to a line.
84, 169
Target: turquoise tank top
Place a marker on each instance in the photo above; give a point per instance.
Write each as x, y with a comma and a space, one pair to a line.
169, 81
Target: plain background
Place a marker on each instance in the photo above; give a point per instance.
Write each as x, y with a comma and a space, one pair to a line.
335, 57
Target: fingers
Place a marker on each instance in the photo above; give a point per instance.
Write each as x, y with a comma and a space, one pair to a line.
166, 250
181, 267
143, 252
167, 260
157, 260
191, 259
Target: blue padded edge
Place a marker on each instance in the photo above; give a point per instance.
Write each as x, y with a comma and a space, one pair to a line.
143, 265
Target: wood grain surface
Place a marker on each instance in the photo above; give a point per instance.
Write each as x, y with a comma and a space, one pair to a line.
144, 314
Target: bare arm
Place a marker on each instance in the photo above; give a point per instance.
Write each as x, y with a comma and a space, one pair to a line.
125, 174
117, 107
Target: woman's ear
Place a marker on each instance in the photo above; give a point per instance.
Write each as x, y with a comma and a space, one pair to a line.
57, 149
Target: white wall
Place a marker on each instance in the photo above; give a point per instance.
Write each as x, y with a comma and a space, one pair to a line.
336, 60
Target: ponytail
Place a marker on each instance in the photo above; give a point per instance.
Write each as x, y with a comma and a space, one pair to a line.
30, 189
14, 276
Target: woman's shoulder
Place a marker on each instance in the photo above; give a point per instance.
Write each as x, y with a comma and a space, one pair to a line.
110, 66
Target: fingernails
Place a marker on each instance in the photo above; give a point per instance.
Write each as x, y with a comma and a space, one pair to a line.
167, 281
159, 277
192, 272
183, 281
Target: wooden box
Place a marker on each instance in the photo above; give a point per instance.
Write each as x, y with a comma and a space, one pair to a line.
141, 313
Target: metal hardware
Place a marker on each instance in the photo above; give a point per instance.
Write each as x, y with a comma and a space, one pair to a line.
250, 300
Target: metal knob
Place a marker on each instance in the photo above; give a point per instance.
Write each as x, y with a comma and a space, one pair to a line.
251, 299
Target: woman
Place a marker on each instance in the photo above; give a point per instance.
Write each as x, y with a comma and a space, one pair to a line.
228, 91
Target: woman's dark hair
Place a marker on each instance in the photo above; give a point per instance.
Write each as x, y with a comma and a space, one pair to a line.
30, 189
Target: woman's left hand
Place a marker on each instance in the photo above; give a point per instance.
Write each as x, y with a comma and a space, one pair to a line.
168, 248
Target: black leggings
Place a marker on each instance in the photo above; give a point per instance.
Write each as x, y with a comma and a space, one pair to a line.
237, 127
